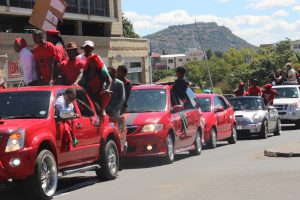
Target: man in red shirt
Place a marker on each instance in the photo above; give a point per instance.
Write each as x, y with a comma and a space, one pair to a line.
54, 37
254, 90
72, 66
46, 59
268, 95
240, 91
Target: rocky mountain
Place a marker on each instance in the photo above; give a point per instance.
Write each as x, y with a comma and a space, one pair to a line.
181, 38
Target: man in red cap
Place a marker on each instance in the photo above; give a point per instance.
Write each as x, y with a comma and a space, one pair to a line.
46, 59
269, 94
240, 91
54, 37
27, 62
71, 67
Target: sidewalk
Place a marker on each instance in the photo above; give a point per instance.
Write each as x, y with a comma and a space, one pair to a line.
291, 149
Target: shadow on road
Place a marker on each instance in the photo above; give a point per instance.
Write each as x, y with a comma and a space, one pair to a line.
15, 191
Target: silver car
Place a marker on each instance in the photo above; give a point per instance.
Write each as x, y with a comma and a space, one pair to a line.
254, 118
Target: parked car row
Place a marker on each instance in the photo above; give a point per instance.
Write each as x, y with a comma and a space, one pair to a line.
158, 123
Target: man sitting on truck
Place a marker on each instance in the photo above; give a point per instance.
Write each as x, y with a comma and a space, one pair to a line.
65, 102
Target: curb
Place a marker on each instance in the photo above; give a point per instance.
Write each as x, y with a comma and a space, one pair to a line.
271, 153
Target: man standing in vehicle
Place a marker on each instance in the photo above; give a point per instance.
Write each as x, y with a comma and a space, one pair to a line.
46, 59
254, 90
240, 91
121, 75
27, 62
291, 75
268, 95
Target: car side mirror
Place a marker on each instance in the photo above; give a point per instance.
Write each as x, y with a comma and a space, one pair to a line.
219, 109
178, 108
66, 114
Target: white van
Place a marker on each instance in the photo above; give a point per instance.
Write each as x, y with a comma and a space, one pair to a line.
287, 103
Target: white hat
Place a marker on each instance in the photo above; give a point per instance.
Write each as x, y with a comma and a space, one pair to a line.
88, 43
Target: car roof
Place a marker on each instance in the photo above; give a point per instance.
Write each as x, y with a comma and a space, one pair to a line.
247, 97
39, 88
151, 86
206, 95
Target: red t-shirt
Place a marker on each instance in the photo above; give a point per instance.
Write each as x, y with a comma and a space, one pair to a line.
42, 55
239, 93
2, 87
71, 69
254, 91
60, 51
269, 97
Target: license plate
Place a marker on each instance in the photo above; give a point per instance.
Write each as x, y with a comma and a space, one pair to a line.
239, 127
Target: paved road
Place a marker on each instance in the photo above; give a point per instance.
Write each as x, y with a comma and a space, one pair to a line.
232, 172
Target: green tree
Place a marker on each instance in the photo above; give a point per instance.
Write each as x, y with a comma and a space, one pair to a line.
158, 75
128, 30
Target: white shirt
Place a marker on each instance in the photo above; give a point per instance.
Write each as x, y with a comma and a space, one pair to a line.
28, 65
292, 74
60, 104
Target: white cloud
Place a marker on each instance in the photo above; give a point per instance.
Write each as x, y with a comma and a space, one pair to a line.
222, 1
297, 8
257, 30
281, 13
265, 4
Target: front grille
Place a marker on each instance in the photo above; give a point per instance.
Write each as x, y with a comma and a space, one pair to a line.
243, 121
131, 129
280, 107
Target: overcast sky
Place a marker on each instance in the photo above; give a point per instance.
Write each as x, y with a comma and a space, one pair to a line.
257, 21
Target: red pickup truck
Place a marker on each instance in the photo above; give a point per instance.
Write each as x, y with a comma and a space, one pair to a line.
31, 139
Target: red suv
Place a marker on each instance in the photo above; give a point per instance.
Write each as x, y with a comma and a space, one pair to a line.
219, 116
155, 123
31, 143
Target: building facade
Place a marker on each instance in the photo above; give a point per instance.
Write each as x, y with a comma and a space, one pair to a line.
96, 20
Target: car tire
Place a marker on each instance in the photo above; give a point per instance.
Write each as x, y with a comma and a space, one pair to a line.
213, 139
42, 184
278, 128
233, 138
198, 145
169, 158
264, 130
109, 162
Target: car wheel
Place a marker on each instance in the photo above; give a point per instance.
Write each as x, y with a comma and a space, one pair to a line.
169, 158
109, 162
233, 138
42, 185
213, 139
278, 128
197, 144
264, 130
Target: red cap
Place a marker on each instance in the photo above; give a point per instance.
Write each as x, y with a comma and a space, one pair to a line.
52, 32
242, 84
269, 85
21, 42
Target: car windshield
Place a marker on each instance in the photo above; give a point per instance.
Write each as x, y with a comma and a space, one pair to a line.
147, 101
24, 105
246, 104
205, 104
288, 92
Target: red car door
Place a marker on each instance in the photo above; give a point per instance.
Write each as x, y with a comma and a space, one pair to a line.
88, 127
228, 117
220, 118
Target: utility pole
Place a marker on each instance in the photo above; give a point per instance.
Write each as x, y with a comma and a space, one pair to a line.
205, 57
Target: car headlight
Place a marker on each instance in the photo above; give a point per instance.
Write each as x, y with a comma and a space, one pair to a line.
152, 128
15, 141
294, 106
256, 118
